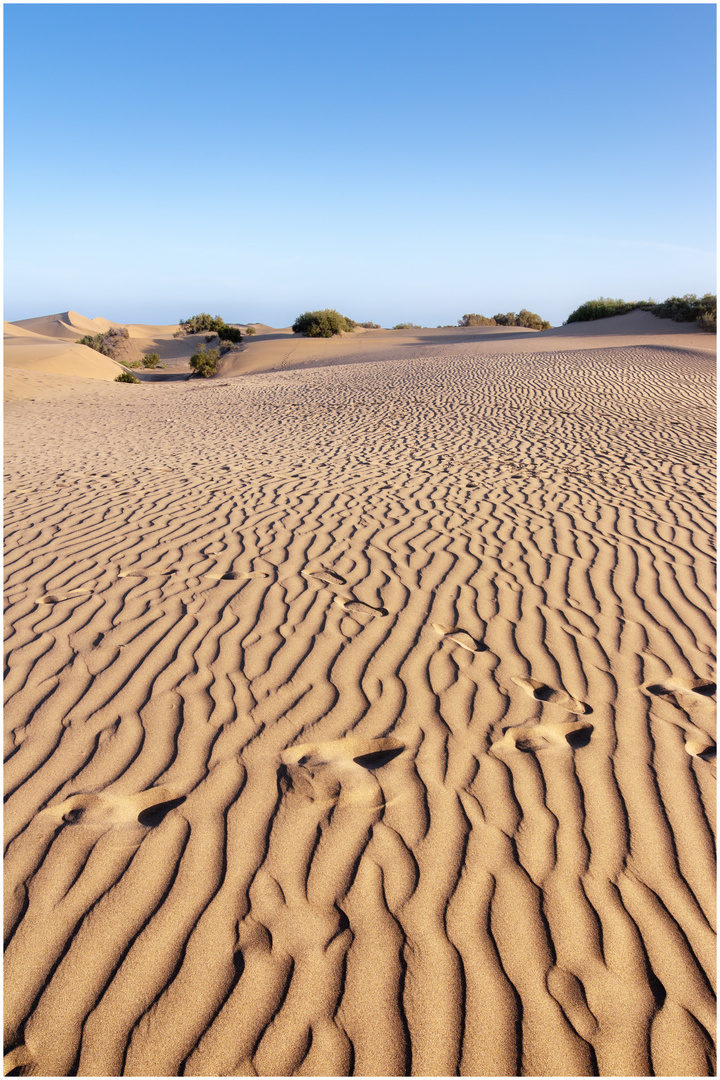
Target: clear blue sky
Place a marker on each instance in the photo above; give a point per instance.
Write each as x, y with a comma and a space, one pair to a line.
400, 162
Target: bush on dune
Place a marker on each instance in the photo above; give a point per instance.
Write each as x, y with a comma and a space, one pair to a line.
126, 376
370, 325
151, 361
686, 308
525, 318
407, 326
205, 362
215, 323
108, 342
324, 323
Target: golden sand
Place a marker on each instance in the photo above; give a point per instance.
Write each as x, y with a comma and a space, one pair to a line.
360, 705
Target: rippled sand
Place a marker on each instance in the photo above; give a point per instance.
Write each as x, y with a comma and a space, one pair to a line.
360, 719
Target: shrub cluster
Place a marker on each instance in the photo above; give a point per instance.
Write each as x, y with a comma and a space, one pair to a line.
603, 308
126, 376
370, 325
205, 362
688, 308
107, 342
151, 360
476, 320
524, 318
197, 323
407, 326
323, 323
250, 330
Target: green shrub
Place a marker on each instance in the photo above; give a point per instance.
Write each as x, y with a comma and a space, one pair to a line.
370, 325
127, 376
203, 321
407, 326
686, 308
476, 320
130, 363
602, 308
708, 322
323, 323
106, 343
205, 361
151, 360
196, 323
250, 330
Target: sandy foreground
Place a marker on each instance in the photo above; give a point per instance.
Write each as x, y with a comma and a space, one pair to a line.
360, 705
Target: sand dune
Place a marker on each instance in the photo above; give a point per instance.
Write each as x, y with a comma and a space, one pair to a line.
360, 716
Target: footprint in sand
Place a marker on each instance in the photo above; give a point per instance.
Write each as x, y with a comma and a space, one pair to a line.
459, 637
357, 607
328, 577
536, 735
148, 808
687, 696
57, 598
700, 688
341, 768
540, 692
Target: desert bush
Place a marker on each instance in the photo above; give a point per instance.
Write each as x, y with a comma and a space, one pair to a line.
228, 346
107, 342
322, 323
476, 320
602, 308
126, 376
205, 361
708, 321
130, 363
250, 330
196, 323
369, 325
530, 320
151, 360
686, 308
407, 326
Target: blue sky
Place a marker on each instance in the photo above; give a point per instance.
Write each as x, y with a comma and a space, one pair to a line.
400, 162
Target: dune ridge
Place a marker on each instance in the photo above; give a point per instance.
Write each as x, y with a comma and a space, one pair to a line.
360, 719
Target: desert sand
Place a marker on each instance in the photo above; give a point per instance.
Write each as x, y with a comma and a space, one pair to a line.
360, 704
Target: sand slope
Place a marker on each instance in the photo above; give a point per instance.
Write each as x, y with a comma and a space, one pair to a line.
360, 719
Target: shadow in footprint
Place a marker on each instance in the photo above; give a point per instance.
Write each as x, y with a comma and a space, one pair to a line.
56, 598
339, 768
328, 577
153, 815
683, 686
538, 691
536, 736
101, 812
358, 607
460, 637
376, 758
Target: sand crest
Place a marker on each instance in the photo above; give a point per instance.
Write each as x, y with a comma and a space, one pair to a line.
360, 711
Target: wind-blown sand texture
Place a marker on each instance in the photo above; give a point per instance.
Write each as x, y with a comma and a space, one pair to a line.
360, 716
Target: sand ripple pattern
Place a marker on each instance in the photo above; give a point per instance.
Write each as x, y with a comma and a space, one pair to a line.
360, 722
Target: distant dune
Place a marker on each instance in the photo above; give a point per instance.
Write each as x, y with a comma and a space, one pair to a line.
360, 704
34, 344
